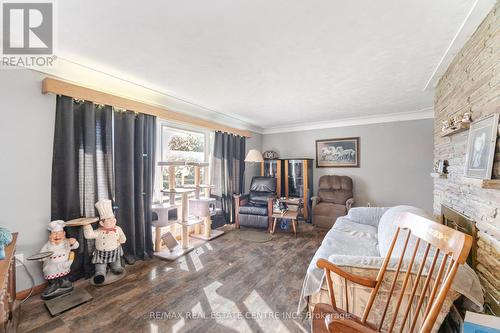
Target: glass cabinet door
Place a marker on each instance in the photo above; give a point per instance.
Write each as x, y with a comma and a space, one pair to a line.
295, 178
270, 168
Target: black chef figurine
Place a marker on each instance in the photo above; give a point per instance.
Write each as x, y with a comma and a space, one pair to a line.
108, 239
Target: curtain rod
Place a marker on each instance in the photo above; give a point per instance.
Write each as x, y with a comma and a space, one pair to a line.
58, 87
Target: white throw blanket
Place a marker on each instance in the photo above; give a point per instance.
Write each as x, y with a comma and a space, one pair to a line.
341, 248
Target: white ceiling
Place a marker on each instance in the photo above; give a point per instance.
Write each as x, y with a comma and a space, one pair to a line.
273, 63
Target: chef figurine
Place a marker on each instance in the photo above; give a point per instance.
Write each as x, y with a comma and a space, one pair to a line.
108, 239
56, 267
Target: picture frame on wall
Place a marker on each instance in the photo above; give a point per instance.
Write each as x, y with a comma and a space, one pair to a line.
337, 153
481, 147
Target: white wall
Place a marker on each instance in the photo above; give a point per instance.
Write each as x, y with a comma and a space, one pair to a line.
26, 136
395, 163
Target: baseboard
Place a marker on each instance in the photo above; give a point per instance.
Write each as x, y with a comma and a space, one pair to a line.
38, 289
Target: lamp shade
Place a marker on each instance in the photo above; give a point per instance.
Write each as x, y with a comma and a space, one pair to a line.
254, 155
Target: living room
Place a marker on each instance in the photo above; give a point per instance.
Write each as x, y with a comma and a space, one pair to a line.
250, 166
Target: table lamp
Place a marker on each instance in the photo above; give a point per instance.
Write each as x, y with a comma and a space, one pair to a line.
254, 156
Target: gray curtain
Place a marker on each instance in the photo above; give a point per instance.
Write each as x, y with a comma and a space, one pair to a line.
134, 137
227, 171
81, 169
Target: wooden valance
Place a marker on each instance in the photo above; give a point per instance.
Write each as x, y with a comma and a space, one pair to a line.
59, 87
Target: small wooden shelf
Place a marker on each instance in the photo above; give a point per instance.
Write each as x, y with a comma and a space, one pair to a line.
460, 128
439, 175
493, 184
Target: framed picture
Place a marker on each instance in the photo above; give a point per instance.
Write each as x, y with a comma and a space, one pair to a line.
337, 153
481, 147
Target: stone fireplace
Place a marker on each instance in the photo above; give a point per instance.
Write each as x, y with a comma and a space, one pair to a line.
472, 82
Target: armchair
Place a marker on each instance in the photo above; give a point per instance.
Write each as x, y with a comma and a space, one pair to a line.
334, 199
255, 209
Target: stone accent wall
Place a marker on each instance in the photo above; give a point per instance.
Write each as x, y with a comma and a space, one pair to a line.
472, 82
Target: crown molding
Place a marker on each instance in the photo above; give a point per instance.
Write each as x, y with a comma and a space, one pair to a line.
73, 72
474, 17
114, 84
427, 113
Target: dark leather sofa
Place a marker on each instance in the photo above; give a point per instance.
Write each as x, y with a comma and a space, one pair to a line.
334, 199
256, 208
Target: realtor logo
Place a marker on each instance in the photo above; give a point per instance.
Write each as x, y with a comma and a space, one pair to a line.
27, 28
27, 34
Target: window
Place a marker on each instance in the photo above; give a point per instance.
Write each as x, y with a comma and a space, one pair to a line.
182, 144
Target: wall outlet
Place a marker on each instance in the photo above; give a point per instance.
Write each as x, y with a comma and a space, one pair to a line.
19, 257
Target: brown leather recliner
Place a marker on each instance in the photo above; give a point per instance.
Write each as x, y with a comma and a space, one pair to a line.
334, 199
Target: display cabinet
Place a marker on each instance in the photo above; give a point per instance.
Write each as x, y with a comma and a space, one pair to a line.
272, 168
298, 182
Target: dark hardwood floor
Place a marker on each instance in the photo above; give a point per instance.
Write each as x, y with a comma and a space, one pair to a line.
226, 285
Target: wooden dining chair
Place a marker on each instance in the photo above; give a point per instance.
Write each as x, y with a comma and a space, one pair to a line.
444, 244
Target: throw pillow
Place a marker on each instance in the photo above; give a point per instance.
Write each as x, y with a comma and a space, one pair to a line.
387, 229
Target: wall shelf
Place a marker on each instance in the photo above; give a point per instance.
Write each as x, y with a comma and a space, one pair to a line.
460, 128
493, 184
439, 175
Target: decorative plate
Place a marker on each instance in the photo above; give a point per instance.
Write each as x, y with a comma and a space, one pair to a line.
270, 155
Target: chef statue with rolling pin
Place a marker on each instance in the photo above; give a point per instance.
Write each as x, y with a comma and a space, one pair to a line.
108, 239
56, 267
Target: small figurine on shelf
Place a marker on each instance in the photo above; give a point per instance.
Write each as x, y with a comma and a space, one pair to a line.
56, 267
467, 117
441, 167
436, 166
446, 125
108, 239
270, 155
453, 122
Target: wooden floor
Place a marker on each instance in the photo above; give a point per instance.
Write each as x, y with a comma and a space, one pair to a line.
237, 286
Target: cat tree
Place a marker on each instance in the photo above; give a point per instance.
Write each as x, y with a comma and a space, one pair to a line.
202, 207
193, 213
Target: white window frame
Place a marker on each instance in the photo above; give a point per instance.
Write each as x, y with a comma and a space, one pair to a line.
176, 126
161, 123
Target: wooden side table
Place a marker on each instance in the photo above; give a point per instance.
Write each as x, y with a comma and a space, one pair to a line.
289, 215
8, 286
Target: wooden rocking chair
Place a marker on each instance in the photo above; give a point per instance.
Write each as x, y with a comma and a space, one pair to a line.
454, 247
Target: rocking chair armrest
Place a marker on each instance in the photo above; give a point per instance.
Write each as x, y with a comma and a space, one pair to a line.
346, 325
325, 264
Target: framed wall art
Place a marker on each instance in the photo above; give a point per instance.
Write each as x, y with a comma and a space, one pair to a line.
481, 147
337, 153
